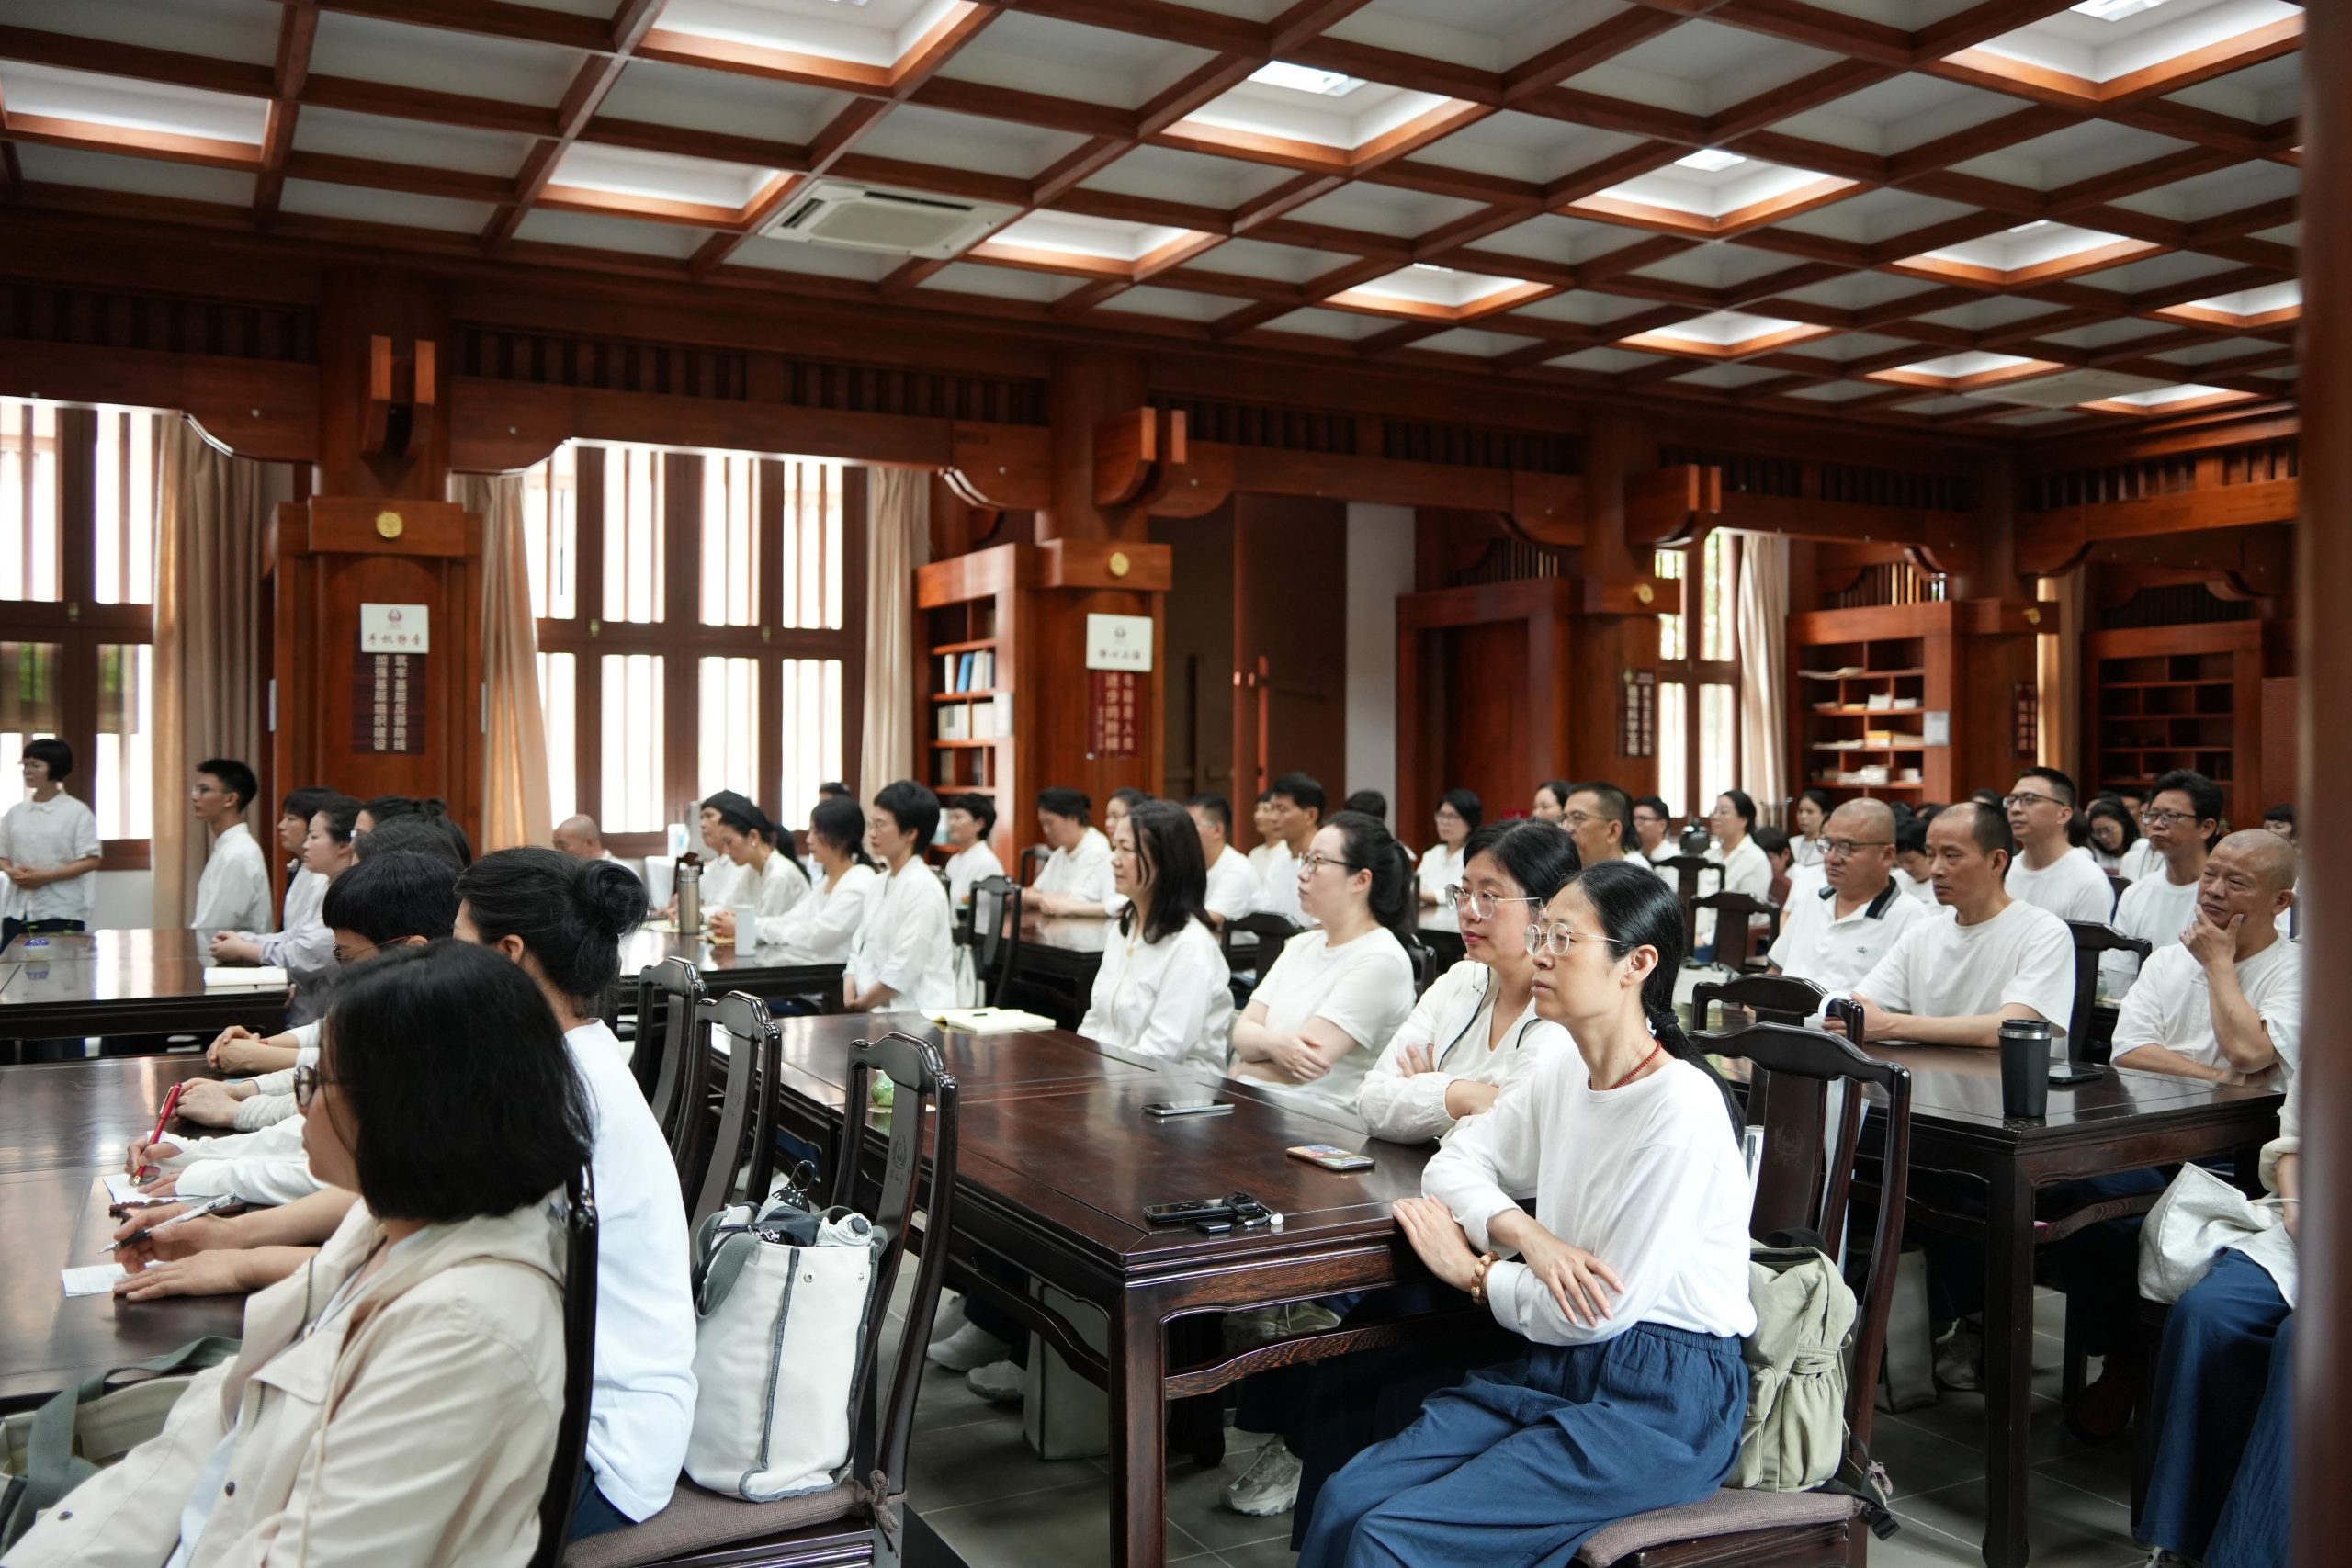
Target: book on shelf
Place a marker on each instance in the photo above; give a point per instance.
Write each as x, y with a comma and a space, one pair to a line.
947, 671
983, 724
954, 722
1841, 673
1879, 702
964, 673
983, 671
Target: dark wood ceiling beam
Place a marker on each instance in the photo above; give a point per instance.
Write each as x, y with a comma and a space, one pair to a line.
597, 75
297, 30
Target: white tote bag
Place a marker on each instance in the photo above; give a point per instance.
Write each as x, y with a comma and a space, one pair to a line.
783, 1301
2199, 1215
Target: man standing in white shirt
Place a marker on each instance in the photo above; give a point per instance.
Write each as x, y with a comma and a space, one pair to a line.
49, 847
1232, 883
2049, 870
1076, 877
1836, 933
1295, 811
233, 893
971, 821
1954, 977
2224, 1001
2181, 820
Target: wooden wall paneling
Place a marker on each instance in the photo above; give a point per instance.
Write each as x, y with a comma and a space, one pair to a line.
257, 409
1290, 604
2229, 650
1197, 727
680, 609
2282, 744
357, 305
505, 426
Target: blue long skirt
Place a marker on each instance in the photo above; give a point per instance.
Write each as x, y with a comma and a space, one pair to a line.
2219, 1422
1522, 1463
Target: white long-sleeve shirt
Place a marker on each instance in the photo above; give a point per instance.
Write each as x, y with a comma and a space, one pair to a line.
967, 866
822, 927
905, 943
1083, 870
301, 940
1452, 1020
1649, 1178
1171, 1000
233, 893
777, 888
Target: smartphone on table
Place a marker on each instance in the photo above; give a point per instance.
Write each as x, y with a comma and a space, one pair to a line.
1330, 1156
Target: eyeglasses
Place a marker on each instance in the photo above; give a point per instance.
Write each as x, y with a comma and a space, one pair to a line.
1844, 847
347, 956
2023, 797
1579, 818
1481, 905
1559, 939
2152, 817
1315, 862
197, 792
307, 1081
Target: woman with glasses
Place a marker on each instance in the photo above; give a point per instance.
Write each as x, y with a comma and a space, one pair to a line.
1631, 1291
1162, 989
398, 1400
2112, 833
1343, 987
1458, 811
1475, 1031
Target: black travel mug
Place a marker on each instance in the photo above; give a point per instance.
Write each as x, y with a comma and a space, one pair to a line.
2025, 1069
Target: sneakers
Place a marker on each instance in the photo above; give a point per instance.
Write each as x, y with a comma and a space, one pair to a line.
1269, 1487
1959, 1357
1263, 1325
969, 1347
2164, 1557
998, 1382
949, 1317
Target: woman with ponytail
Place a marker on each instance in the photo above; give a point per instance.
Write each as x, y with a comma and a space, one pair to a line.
770, 878
1632, 1293
1338, 990
821, 927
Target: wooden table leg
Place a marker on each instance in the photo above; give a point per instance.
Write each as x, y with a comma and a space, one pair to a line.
2008, 1364
1139, 1432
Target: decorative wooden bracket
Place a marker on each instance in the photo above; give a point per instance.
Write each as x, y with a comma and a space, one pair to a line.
1673, 507
1002, 467
398, 419
1204, 484
1137, 456
1547, 509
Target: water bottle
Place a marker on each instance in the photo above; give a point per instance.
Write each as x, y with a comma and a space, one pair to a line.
689, 893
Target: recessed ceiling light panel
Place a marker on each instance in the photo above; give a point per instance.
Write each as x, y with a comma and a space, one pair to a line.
2113, 10
1708, 160
1305, 79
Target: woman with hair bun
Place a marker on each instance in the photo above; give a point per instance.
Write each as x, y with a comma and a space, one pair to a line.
770, 878
821, 927
1338, 990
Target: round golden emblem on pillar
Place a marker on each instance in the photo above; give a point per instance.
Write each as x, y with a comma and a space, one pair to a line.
1643, 593
1119, 563
389, 525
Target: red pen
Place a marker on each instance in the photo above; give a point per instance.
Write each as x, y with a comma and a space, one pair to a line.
163, 1119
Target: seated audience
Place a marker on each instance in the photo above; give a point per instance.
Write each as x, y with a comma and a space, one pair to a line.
1371, 802
1293, 816
1162, 990
305, 888
2221, 1411
1780, 853
1599, 818
233, 893
386, 808
2281, 819
1122, 800
2184, 821
410, 836
1631, 1290
1733, 847
2223, 999
1952, 977
580, 838
302, 941
823, 927
1335, 993
1912, 866
770, 877
398, 1401
904, 955
1458, 814
719, 875
1652, 821
971, 821
1809, 816
1834, 934
1261, 824
1551, 800
2112, 833
1232, 880
1076, 877
2050, 871
48, 849
1475, 1031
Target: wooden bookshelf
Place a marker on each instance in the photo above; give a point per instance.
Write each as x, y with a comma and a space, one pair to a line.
1866, 686
2158, 698
968, 612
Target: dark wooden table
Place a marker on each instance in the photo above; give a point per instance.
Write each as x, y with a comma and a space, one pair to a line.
762, 970
124, 982
61, 1125
1054, 968
1056, 1163
2124, 1119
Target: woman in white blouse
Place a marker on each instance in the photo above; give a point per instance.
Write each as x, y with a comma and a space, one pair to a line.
1746, 869
1344, 986
1458, 813
1631, 1291
821, 927
304, 941
1076, 877
1163, 989
770, 878
903, 958
1808, 814
1475, 1031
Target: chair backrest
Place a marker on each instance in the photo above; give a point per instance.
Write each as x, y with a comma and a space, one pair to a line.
580, 1258
996, 935
2091, 939
1424, 963
1773, 999
923, 1112
1267, 933
1807, 1173
1033, 861
742, 1136
667, 994
1736, 930
1687, 871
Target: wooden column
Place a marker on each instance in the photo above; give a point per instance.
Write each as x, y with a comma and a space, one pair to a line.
2323, 1442
1088, 386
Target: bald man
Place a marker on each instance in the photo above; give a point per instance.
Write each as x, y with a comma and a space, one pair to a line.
2226, 1004
1834, 933
580, 838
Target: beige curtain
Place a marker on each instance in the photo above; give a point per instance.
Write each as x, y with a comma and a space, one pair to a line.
212, 510
2059, 672
514, 743
897, 540
1762, 627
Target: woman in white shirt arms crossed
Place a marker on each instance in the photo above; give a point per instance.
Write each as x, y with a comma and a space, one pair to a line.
1335, 991
49, 848
1162, 990
821, 927
1631, 1291
1459, 812
302, 941
1475, 1031
770, 877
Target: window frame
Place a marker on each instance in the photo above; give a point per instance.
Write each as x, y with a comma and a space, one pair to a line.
1692, 672
683, 641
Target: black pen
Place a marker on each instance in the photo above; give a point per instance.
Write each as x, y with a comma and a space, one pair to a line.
210, 1205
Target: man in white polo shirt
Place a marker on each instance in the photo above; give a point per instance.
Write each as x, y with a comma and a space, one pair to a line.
1233, 882
2224, 1002
1954, 976
1834, 933
2049, 870
2183, 820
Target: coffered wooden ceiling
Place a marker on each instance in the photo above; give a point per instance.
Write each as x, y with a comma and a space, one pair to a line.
1934, 213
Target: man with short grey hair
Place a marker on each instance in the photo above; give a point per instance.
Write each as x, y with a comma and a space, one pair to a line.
1834, 934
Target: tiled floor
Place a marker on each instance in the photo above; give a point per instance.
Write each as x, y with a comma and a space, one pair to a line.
996, 1506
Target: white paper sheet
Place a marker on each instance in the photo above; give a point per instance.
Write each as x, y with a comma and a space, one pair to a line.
95, 1281
121, 1187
